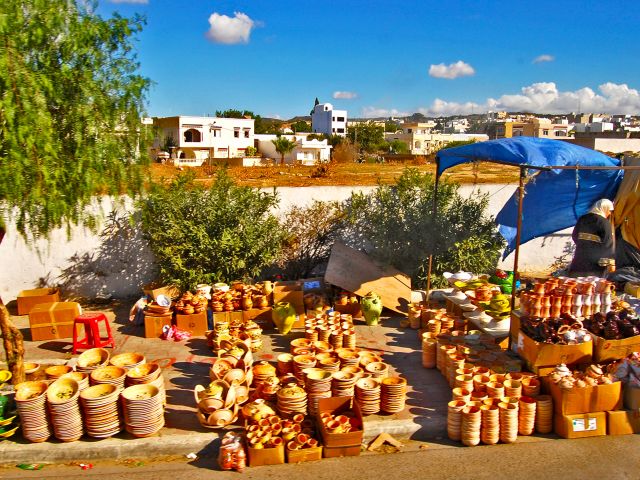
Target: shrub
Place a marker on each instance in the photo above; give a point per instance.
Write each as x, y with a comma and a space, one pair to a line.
395, 225
205, 235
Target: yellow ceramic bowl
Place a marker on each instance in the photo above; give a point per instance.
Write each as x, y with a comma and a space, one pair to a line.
8, 433
6, 421
5, 376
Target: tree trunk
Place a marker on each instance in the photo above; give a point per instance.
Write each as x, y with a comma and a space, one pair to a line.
12, 340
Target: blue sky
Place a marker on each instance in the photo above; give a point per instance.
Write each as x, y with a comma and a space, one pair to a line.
381, 58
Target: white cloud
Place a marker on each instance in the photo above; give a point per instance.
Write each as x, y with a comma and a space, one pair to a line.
130, 1
229, 30
454, 70
373, 112
543, 97
544, 58
345, 95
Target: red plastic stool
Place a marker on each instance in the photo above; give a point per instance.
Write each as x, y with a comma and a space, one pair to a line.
92, 338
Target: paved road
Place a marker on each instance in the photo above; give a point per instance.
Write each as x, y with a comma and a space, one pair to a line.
606, 458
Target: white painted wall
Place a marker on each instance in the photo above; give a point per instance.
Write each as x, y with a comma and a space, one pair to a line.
324, 119
90, 265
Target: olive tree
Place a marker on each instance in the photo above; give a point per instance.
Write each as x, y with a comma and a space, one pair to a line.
71, 101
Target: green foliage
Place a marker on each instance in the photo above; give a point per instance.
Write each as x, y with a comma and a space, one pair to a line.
283, 146
310, 234
169, 143
268, 126
71, 101
396, 225
390, 127
301, 126
233, 113
458, 143
399, 147
368, 136
207, 235
251, 151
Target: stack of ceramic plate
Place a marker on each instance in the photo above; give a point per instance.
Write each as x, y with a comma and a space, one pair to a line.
393, 394
318, 385
147, 374
368, 395
30, 401
343, 384
300, 362
127, 360
62, 398
377, 369
80, 377
56, 371
348, 357
330, 364
92, 359
100, 410
285, 364
291, 400
111, 374
143, 410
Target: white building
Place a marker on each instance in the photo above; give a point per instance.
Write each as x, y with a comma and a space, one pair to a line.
324, 119
596, 127
306, 152
198, 139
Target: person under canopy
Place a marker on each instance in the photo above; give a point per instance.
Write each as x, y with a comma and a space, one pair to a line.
593, 236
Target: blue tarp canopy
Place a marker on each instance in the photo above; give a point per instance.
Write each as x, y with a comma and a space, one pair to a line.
554, 199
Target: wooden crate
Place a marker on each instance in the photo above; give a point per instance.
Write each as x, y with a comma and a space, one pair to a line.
27, 299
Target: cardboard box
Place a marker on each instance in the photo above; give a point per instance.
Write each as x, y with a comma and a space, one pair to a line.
623, 422
49, 321
153, 290
580, 425
153, 325
194, 323
631, 397
289, 292
353, 309
27, 299
304, 455
537, 354
608, 350
265, 456
599, 398
262, 316
349, 451
632, 289
235, 316
336, 406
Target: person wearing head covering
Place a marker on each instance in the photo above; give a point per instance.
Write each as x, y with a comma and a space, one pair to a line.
593, 236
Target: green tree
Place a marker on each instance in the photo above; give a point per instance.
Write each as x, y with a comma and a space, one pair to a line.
390, 127
396, 225
206, 235
399, 147
70, 107
301, 126
283, 146
369, 137
233, 113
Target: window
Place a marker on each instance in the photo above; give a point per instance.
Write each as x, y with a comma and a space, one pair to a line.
517, 133
545, 132
560, 133
236, 133
192, 135
333, 119
409, 130
217, 132
246, 133
418, 144
341, 119
340, 130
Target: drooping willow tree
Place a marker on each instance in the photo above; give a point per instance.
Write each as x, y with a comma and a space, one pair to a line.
71, 102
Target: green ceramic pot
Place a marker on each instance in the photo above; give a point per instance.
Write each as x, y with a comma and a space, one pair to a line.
371, 308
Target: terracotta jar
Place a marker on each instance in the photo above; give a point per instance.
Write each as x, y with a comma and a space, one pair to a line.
247, 303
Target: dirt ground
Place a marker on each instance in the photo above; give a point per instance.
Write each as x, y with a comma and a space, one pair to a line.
341, 174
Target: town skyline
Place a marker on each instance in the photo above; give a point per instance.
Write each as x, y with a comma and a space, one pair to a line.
377, 59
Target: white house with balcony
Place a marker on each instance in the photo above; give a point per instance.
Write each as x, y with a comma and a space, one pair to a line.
305, 152
324, 119
198, 139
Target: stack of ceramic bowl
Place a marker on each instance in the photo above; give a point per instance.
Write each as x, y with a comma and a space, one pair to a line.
150, 374
508, 422
429, 349
56, 371
377, 369
311, 334
349, 338
80, 377
292, 399
30, 401
530, 386
335, 339
300, 343
544, 414
110, 374
348, 357
367, 357
329, 363
100, 410
393, 394
512, 388
470, 428
317, 385
454, 418
343, 384
490, 428
261, 372
300, 362
367, 393
285, 364
526, 415
62, 398
323, 333
127, 360
143, 410
92, 359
